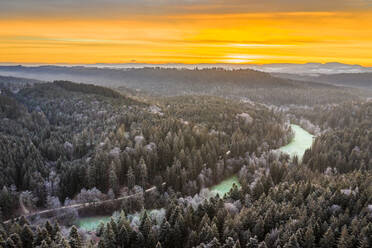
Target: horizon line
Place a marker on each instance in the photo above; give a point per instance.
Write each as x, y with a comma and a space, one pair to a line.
174, 63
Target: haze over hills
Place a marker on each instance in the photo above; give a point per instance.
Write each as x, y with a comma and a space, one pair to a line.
141, 76
293, 68
239, 83
312, 69
355, 80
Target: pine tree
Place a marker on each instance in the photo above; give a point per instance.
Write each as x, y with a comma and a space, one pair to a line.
235, 193
64, 243
143, 173
214, 243
109, 237
139, 242
100, 229
328, 239
345, 239
192, 239
229, 243
292, 243
46, 235
39, 237
309, 239
10, 243
131, 180
23, 221
101, 244
56, 229
252, 243
145, 226
206, 234
17, 240
259, 228
74, 238
237, 244
123, 237
262, 245
114, 181
366, 236
49, 228
27, 237
44, 244
114, 226
164, 233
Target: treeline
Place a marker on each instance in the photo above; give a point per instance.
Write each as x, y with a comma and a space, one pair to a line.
87, 88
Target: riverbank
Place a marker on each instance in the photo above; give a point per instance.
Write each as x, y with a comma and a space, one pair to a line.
301, 141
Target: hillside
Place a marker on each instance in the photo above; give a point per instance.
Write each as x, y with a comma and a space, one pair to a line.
353, 80
85, 135
243, 84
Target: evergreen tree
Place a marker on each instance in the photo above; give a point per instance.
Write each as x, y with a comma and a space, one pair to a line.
17, 240
164, 233
237, 244
145, 226
345, 239
49, 228
328, 239
366, 236
214, 243
10, 243
262, 245
39, 237
292, 243
309, 239
109, 237
131, 180
114, 181
56, 229
74, 238
27, 237
143, 173
44, 244
123, 237
252, 243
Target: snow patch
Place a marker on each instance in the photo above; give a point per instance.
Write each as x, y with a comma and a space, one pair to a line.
246, 117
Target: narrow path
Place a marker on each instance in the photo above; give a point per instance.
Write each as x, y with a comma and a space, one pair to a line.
79, 205
22, 205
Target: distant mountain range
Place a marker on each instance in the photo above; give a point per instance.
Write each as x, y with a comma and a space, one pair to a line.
355, 80
312, 69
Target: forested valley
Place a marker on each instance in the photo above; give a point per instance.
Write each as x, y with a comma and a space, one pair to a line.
66, 144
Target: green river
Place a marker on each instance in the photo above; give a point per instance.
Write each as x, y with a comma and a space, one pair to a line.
91, 223
302, 140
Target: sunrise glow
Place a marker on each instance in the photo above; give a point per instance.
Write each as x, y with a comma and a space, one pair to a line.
195, 37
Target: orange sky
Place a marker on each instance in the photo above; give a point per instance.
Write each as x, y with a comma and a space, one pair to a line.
248, 37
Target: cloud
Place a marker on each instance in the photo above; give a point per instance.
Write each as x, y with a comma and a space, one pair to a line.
122, 8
